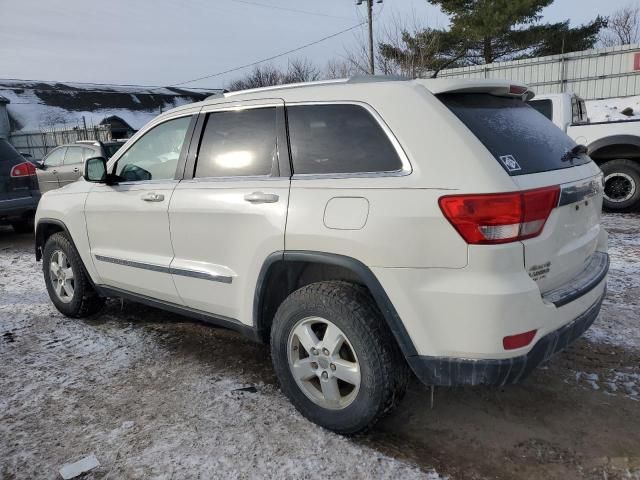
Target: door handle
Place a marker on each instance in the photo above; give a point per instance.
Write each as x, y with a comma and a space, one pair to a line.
259, 197
152, 197
55, 172
76, 170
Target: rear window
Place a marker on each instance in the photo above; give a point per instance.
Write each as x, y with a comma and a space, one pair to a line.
520, 138
8, 153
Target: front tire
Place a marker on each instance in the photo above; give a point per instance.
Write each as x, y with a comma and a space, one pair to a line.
67, 282
621, 185
335, 358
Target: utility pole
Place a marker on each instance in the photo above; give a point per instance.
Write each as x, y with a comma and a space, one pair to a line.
372, 65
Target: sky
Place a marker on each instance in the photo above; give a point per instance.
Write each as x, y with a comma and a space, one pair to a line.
165, 42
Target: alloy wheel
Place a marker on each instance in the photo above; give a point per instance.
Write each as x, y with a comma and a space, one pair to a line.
62, 276
323, 363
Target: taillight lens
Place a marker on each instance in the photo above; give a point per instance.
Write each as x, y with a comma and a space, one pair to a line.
25, 169
501, 217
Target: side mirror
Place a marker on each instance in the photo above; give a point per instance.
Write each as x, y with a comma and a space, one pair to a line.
95, 170
40, 165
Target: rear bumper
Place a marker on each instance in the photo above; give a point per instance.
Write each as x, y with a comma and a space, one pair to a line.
17, 207
459, 371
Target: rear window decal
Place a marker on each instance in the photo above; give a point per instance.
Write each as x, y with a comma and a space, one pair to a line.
510, 163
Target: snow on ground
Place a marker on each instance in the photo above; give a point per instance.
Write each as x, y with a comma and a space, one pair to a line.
610, 109
619, 320
146, 394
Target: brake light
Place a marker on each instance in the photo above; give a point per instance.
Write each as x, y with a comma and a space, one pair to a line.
517, 90
518, 341
24, 169
501, 217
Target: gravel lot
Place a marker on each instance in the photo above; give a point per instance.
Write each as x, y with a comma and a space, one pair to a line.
154, 395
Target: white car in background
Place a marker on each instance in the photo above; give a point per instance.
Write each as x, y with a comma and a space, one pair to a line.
365, 228
613, 145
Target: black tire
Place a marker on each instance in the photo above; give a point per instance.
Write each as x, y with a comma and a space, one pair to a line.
384, 372
620, 175
23, 226
85, 301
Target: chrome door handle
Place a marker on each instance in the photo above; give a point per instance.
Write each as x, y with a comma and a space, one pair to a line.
259, 197
152, 197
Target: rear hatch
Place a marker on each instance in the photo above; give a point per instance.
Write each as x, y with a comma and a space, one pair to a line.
14, 183
536, 154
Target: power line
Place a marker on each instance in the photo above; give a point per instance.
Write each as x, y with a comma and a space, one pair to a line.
235, 69
317, 14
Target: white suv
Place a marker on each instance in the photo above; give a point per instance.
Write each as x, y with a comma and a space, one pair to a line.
366, 228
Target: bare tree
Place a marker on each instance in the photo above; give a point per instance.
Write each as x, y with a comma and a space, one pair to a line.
260, 76
338, 68
301, 70
623, 27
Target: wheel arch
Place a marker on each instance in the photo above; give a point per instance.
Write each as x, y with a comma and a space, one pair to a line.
49, 226
44, 229
615, 147
284, 272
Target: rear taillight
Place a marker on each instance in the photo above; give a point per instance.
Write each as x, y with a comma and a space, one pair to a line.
24, 169
500, 217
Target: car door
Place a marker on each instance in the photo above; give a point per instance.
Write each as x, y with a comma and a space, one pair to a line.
230, 216
71, 168
128, 223
48, 173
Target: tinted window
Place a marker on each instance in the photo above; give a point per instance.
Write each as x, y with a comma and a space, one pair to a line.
338, 139
236, 143
545, 107
73, 156
155, 155
55, 157
520, 138
8, 153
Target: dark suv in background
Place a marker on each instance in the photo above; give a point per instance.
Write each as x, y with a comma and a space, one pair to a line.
19, 192
63, 164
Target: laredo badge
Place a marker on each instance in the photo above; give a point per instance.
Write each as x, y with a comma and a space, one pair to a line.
510, 162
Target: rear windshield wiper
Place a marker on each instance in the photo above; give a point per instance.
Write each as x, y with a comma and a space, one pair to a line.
574, 152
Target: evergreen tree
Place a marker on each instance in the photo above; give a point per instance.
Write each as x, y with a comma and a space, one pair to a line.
506, 29
486, 31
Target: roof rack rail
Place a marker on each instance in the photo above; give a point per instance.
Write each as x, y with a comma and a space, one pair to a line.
354, 79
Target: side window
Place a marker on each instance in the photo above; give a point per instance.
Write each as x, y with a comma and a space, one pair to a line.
155, 155
338, 139
238, 143
55, 158
88, 153
545, 107
73, 156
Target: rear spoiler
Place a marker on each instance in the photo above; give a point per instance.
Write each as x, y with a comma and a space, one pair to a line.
499, 88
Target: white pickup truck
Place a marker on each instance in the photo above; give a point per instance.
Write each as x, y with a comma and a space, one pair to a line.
614, 146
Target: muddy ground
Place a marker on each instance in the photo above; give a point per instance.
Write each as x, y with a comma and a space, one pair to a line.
156, 396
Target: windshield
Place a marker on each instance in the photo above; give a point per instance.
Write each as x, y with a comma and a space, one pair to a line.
520, 138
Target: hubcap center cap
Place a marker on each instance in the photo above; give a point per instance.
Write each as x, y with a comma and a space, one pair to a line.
324, 363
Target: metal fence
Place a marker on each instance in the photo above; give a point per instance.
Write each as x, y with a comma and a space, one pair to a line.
39, 143
593, 74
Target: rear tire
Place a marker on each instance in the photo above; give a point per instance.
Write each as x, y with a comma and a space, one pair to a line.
67, 282
621, 185
365, 375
